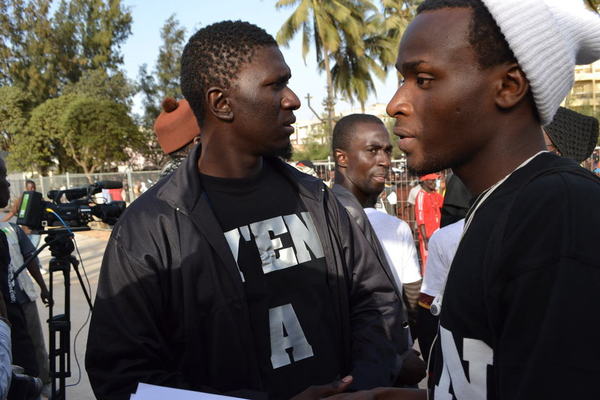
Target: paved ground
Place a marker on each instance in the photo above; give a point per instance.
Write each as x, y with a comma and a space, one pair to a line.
91, 246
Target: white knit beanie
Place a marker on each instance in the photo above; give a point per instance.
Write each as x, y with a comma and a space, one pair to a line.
548, 38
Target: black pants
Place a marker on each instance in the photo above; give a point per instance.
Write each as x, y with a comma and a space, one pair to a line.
23, 351
427, 327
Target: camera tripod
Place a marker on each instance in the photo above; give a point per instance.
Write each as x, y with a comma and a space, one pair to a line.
59, 336
61, 247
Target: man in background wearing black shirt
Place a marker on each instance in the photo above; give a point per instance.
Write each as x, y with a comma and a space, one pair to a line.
238, 274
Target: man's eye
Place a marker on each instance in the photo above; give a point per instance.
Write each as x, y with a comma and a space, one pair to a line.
424, 82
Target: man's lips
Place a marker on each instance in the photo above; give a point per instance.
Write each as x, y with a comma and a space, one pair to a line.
402, 134
290, 121
288, 125
379, 176
406, 139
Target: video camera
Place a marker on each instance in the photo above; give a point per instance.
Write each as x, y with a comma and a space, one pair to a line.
37, 213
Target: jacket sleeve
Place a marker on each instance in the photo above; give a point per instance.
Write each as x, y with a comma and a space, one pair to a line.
127, 342
379, 329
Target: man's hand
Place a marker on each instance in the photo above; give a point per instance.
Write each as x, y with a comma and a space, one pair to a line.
413, 370
46, 299
322, 391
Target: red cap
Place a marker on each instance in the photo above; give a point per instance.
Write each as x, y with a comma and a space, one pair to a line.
429, 177
176, 126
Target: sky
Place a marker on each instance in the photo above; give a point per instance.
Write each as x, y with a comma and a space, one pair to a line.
150, 15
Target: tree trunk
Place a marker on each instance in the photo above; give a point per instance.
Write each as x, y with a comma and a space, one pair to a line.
329, 101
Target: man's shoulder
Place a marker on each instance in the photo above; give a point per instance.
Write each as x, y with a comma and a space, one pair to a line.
560, 186
448, 234
380, 216
381, 219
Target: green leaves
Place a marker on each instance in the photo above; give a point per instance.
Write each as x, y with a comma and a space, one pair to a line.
40, 53
162, 82
354, 41
93, 131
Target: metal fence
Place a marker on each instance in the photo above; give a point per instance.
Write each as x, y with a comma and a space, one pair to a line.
393, 198
134, 182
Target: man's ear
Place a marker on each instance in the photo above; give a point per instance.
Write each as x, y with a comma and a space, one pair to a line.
340, 157
512, 86
218, 104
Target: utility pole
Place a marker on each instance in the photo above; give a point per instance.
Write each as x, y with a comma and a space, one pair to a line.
308, 97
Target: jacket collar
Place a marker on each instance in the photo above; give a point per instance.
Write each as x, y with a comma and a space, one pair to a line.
183, 189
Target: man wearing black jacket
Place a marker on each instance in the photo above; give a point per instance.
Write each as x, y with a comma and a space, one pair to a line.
238, 274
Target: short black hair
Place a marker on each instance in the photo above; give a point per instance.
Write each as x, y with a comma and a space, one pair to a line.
485, 35
30, 182
344, 129
213, 57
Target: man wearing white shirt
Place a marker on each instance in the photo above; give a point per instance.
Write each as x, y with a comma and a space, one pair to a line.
397, 241
442, 247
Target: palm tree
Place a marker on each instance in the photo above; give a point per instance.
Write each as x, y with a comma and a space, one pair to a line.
326, 23
354, 65
397, 15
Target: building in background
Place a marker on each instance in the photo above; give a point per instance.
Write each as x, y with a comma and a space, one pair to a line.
585, 95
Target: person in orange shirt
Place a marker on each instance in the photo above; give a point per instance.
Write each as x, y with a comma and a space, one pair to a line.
428, 213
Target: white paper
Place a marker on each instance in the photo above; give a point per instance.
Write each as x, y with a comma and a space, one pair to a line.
153, 392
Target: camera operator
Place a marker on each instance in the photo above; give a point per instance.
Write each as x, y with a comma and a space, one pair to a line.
28, 348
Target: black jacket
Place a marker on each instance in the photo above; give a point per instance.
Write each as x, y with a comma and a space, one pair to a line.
410, 292
170, 308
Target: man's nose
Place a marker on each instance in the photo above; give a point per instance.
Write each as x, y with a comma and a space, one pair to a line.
290, 101
398, 105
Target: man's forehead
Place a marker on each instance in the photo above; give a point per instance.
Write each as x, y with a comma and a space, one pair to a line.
267, 56
433, 35
370, 134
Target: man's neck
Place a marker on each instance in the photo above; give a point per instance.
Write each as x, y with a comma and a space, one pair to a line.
222, 159
498, 160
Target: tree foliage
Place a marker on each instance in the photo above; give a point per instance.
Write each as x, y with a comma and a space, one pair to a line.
162, 82
38, 145
354, 41
354, 65
79, 131
40, 53
93, 131
103, 84
15, 107
325, 24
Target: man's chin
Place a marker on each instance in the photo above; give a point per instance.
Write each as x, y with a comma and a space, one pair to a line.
424, 167
284, 153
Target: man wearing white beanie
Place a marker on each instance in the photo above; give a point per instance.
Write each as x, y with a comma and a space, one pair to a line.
481, 78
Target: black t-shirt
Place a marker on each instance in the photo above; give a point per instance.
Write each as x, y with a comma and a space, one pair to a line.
281, 262
515, 321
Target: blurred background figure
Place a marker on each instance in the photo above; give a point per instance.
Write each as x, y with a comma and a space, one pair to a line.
177, 131
571, 135
428, 215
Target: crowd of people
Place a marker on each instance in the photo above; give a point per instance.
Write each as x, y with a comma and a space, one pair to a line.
239, 274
